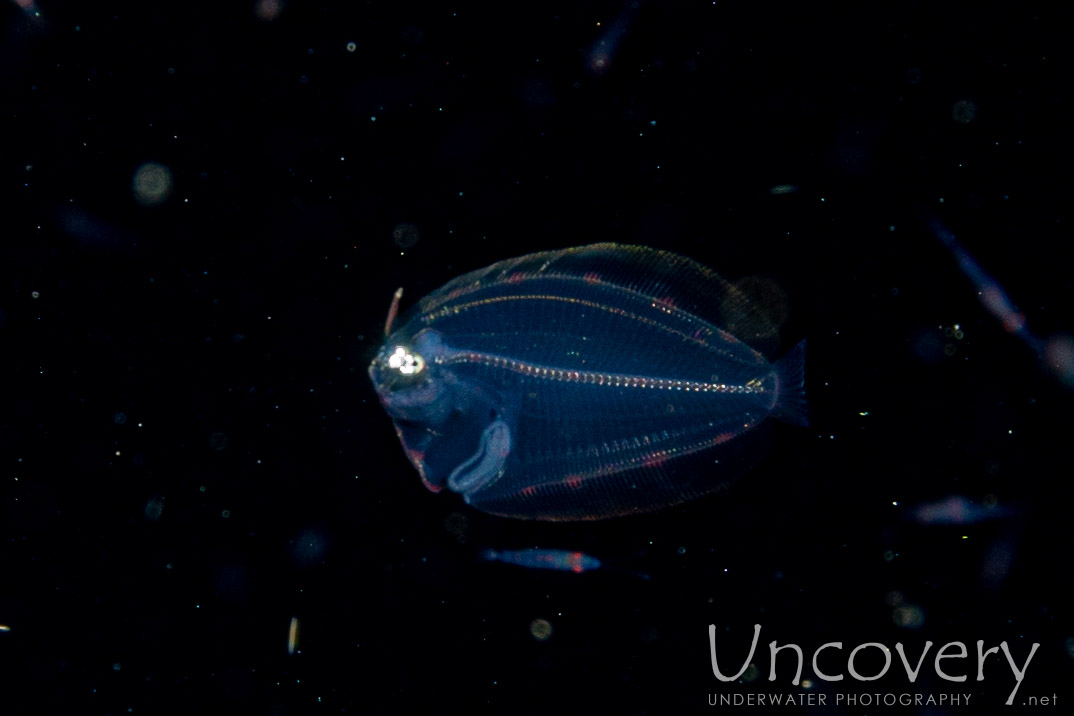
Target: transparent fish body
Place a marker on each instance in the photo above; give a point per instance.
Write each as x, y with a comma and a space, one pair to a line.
586, 383
563, 560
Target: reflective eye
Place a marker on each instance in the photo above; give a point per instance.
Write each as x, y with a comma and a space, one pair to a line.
406, 363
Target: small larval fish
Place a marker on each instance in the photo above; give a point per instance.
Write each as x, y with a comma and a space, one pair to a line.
584, 383
541, 558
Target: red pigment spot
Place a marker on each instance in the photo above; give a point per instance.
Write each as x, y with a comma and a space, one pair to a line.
666, 301
529, 491
1014, 322
592, 277
573, 481
517, 277
430, 486
417, 459
575, 559
722, 438
654, 461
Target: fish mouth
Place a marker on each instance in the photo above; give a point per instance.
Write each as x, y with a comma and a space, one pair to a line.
376, 378
380, 385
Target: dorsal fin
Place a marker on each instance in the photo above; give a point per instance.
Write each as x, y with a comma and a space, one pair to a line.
661, 275
393, 311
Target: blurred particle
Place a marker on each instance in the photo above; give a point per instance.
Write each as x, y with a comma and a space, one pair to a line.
308, 548
117, 666
4, 627
405, 235
153, 509
152, 184
352, 46
913, 75
956, 510
963, 111
292, 636
908, 616
783, 189
119, 418
95, 233
807, 684
268, 10
225, 513
218, 441
35, 294
889, 555
1059, 357
751, 673
894, 598
1069, 645
541, 629
30, 9
997, 563
599, 60
456, 525
602, 54
999, 304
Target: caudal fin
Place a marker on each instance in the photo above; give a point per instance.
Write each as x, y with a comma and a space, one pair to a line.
790, 387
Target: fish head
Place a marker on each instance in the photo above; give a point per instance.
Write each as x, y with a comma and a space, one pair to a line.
455, 429
410, 384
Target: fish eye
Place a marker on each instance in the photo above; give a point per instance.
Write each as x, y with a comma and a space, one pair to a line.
405, 362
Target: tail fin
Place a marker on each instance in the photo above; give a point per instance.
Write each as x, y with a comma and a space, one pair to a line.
790, 387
